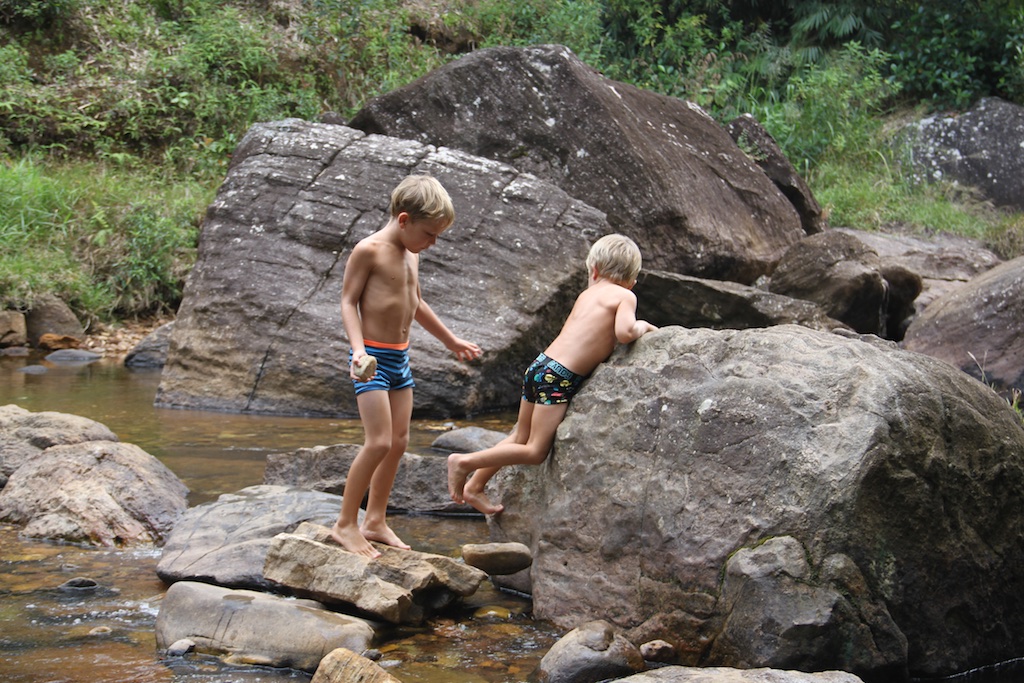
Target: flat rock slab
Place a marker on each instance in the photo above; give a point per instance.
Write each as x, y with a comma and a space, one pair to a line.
400, 586
249, 627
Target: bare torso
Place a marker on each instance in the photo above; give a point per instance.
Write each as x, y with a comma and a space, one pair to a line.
389, 296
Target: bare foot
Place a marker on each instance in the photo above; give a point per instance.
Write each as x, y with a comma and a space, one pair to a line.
456, 478
480, 501
351, 539
384, 535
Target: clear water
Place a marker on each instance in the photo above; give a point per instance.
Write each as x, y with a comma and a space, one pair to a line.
107, 635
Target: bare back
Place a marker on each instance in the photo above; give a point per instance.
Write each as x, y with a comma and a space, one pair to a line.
604, 314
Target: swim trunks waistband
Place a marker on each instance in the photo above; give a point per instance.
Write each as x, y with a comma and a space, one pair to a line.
554, 366
402, 346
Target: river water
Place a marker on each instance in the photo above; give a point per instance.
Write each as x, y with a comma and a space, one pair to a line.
54, 635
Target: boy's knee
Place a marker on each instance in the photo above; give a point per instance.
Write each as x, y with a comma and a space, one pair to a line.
536, 457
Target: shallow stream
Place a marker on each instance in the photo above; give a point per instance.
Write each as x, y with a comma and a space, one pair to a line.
107, 635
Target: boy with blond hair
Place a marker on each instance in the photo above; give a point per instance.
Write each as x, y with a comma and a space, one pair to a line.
604, 314
380, 298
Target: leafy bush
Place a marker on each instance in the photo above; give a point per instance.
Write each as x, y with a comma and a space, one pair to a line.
35, 13
832, 109
940, 57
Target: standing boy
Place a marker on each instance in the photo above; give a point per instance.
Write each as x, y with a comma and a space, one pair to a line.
604, 314
379, 300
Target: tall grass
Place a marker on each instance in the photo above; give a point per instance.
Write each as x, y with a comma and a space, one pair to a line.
112, 243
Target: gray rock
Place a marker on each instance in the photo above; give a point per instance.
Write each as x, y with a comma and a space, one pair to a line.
345, 666
663, 171
263, 296
758, 143
943, 262
24, 434
979, 148
98, 492
685, 674
249, 627
151, 352
691, 445
421, 484
497, 558
50, 315
777, 615
225, 542
670, 299
400, 586
467, 440
73, 356
847, 279
978, 327
12, 329
592, 652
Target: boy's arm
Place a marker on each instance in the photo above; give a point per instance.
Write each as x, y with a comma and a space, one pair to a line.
462, 349
627, 327
357, 271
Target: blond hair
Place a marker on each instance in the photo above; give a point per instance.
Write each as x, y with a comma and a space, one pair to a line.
422, 197
616, 258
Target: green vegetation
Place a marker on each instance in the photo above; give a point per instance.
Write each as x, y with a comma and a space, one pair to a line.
118, 117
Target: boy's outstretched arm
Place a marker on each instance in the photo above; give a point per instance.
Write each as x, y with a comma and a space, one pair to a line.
463, 350
627, 327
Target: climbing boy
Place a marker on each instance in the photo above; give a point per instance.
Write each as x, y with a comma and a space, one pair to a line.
380, 298
604, 314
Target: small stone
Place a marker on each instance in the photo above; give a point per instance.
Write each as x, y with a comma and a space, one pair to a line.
180, 647
658, 651
366, 368
497, 559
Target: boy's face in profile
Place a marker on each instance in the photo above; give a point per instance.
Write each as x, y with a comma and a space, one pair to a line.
419, 234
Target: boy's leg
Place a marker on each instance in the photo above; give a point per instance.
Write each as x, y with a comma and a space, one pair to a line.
375, 415
474, 495
473, 491
535, 433
374, 525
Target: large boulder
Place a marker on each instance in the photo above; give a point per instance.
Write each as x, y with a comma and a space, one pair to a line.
24, 435
103, 493
850, 282
690, 446
661, 169
759, 144
259, 328
979, 327
980, 148
672, 299
944, 262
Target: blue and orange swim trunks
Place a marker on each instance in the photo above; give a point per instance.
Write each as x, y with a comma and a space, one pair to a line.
548, 382
393, 370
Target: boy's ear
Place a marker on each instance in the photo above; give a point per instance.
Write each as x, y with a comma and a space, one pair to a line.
403, 219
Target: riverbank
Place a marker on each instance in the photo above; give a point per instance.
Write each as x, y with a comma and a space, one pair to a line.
118, 339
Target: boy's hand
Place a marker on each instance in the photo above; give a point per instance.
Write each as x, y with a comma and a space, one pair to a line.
352, 367
464, 350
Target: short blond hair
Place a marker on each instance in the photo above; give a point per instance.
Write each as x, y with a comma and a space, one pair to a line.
616, 258
422, 197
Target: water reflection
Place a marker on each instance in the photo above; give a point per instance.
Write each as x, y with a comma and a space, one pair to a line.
107, 635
